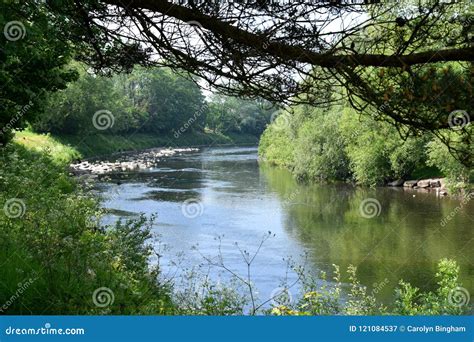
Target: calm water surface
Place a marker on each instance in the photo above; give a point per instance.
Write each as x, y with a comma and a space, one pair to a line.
240, 200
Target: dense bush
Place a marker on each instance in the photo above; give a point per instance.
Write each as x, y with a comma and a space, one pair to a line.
458, 175
276, 147
376, 151
443, 301
338, 144
319, 150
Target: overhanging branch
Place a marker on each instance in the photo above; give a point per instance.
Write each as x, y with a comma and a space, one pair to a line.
294, 53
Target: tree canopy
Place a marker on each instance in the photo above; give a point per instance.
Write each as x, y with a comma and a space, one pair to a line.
408, 62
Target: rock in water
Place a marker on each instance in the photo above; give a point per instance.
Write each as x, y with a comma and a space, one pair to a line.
424, 183
410, 184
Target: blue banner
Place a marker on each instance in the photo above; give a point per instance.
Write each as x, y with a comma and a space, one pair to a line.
242, 329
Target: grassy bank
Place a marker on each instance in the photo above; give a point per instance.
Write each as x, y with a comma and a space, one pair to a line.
73, 146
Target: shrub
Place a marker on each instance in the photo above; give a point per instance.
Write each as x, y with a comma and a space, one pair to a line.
276, 147
333, 144
319, 150
376, 151
443, 301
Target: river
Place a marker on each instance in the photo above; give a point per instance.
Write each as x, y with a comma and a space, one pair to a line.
220, 201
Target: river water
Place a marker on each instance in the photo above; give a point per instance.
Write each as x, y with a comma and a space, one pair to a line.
221, 201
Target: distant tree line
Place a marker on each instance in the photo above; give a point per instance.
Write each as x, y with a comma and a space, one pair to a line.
153, 100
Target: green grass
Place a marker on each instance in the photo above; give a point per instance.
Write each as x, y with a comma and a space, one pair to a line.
45, 143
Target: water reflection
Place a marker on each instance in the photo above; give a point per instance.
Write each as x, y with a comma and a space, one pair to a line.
404, 241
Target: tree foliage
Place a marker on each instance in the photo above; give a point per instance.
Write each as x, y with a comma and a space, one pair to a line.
338, 144
407, 63
34, 57
152, 100
395, 60
231, 114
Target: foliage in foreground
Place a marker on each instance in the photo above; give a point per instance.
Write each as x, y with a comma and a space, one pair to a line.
57, 259
409, 300
54, 253
201, 297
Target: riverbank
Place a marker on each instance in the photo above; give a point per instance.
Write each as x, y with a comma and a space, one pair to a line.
278, 152
136, 161
78, 147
